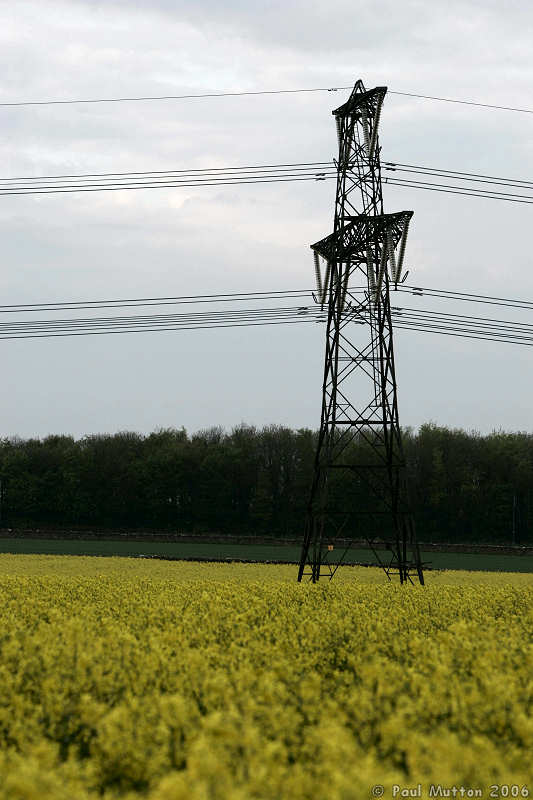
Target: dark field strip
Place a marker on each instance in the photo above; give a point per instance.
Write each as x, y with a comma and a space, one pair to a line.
247, 552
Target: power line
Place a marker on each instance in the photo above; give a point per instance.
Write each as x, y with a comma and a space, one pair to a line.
476, 191
467, 297
213, 181
299, 167
210, 95
527, 199
262, 317
463, 332
464, 102
265, 179
269, 173
466, 327
319, 168
420, 320
202, 96
455, 174
163, 179
211, 170
157, 329
465, 335
301, 293
166, 185
156, 301
425, 317
244, 314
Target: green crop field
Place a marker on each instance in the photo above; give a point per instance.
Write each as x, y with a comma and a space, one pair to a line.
248, 552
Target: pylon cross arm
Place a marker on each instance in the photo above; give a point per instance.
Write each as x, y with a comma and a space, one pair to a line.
361, 100
353, 239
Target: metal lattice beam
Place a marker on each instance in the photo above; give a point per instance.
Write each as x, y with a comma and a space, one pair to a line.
359, 483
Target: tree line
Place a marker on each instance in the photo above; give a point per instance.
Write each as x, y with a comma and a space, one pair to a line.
465, 487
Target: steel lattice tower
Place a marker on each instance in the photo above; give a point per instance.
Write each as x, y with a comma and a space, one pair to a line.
359, 486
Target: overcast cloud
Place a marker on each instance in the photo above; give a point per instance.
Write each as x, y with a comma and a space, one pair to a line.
177, 241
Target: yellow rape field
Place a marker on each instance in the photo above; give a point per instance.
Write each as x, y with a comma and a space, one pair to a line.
122, 678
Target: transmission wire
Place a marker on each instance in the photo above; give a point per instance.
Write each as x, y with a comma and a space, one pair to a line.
208, 95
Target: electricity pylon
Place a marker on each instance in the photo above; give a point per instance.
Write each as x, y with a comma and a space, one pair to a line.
359, 485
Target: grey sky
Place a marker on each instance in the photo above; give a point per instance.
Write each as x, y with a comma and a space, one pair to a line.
176, 241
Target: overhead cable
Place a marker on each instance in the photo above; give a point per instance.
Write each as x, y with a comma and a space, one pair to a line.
236, 171
404, 318
269, 173
210, 95
303, 293
306, 165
